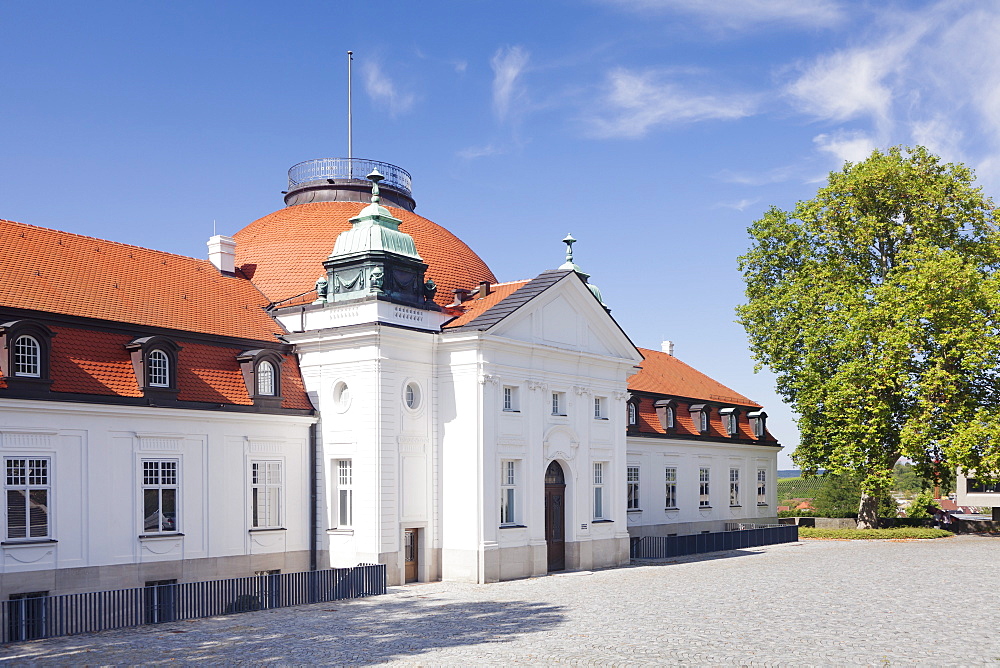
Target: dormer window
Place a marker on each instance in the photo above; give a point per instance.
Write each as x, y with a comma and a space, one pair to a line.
262, 375
265, 379
632, 411
699, 416
158, 369
730, 418
154, 360
665, 413
25, 361
27, 357
632, 415
758, 424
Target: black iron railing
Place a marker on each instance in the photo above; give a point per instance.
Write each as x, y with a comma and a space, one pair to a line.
663, 547
69, 614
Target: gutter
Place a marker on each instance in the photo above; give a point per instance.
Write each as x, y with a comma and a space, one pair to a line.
313, 488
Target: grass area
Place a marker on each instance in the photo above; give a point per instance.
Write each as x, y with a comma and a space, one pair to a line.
868, 534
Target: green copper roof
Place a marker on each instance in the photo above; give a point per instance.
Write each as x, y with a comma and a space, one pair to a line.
375, 229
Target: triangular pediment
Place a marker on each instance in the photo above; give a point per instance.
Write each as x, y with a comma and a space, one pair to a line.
562, 312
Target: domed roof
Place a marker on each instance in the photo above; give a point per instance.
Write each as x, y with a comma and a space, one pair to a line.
283, 253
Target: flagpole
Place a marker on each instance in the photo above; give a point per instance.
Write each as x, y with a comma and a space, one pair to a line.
350, 129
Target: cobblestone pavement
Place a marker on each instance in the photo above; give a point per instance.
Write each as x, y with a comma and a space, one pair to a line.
814, 603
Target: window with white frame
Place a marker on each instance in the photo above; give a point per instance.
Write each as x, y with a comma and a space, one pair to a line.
508, 492
730, 419
703, 422
510, 399
344, 494
27, 357
670, 496
669, 418
559, 403
599, 408
265, 492
704, 482
600, 512
632, 479
632, 414
158, 371
734, 487
761, 487
159, 496
265, 379
28, 497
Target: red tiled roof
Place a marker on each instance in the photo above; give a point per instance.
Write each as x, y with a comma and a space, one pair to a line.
283, 253
92, 362
661, 373
476, 307
69, 274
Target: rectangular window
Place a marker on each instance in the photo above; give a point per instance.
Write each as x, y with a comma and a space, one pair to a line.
761, 487
599, 491
633, 488
599, 408
265, 489
734, 487
510, 399
703, 487
159, 496
670, 497
344, 494
508, 492
27, 491
559, 403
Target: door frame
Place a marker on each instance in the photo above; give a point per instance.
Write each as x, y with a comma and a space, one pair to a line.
565, 511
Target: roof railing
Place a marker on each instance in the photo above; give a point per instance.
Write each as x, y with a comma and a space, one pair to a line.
351, 169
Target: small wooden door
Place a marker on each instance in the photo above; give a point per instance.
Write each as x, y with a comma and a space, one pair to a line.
555, 516
410, 552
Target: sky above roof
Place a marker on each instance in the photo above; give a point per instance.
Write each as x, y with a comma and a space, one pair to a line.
655, 131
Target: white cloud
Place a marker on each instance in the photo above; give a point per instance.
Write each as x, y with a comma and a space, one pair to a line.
744, 14
473, 152
508, 65
636, 102
740, 205
846, 85
776, 175
846, 145
383, 90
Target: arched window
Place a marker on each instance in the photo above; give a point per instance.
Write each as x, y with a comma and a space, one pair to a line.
670, 418
158, 370
27, 357
265, 379
631, 414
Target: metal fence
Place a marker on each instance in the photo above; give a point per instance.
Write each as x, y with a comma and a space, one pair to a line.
49, 616
351, 169
662, 547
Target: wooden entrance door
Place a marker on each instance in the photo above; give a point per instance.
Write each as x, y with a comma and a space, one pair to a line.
555, 516
410, 554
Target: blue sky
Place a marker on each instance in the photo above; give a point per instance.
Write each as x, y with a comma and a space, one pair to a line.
655, 131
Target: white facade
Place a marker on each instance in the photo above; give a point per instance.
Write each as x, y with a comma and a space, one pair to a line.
426, 433
741, 485
97, 534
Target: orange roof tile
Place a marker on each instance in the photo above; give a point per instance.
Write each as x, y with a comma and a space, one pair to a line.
661, 373
476, 307
59, 272
283, 253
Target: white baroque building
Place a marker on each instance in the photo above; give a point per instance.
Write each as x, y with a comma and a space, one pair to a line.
165, 418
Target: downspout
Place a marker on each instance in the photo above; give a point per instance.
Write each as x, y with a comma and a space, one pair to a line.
313, 488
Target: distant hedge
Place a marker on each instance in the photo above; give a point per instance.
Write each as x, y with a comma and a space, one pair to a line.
868, 534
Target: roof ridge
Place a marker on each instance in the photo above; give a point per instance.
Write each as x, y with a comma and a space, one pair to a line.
106, 241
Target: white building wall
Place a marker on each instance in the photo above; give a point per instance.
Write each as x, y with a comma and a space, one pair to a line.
95, 505
654, 455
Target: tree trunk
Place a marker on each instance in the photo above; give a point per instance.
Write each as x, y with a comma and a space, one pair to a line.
868, 512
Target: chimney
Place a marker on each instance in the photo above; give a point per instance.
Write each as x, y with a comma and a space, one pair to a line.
222, 253
667, 347
484, 289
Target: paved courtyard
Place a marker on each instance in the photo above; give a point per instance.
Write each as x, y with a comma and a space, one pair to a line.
814, 603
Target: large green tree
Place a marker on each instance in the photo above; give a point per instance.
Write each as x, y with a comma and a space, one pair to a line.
877, 306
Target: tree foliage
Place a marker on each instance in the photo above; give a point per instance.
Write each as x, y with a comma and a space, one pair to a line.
877, 306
